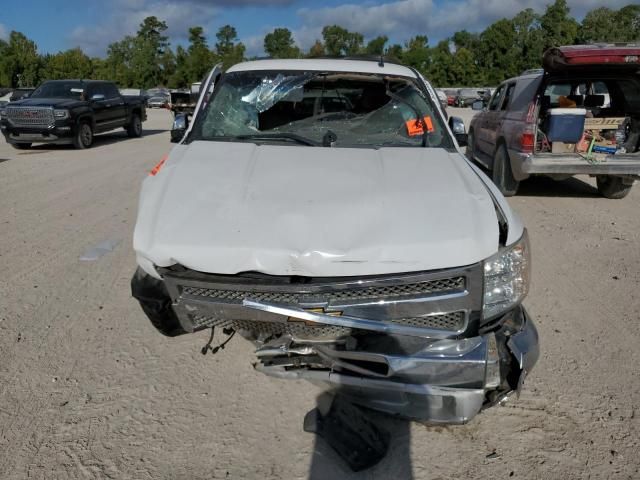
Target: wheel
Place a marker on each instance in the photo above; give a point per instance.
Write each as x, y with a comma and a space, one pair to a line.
612, 187
21, 146
84, 136
134, 129
470, 145
501, 173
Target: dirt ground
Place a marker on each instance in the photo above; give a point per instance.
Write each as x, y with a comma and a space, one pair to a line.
89, 390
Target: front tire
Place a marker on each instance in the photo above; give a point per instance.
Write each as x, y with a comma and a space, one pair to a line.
21, 146
134, 129
501, 173
84, 136
612, 187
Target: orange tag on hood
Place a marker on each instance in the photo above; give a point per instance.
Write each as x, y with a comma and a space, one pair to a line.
414, 127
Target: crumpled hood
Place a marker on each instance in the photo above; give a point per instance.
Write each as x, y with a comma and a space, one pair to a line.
296, 210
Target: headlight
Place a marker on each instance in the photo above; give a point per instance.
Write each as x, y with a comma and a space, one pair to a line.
60, 114
506, 278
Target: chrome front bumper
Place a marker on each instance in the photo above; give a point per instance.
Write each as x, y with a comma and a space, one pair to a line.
448, 382
420, 351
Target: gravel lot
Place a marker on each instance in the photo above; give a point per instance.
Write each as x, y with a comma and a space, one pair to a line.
89, 390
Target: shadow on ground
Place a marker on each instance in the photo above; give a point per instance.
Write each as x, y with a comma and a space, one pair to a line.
547, 187
396, 464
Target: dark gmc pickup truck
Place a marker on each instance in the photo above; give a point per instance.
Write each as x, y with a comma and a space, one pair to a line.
70, 111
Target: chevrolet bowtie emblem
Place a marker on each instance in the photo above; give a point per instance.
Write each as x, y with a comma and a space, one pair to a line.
309, 323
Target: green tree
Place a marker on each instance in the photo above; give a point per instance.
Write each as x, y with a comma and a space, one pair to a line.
199, 59
558, 27
528, 42
376, 45
340, 41
394, 52
118, 65
19, 63
229, 50
628, 23
180, 77
463, 69
441, 60
68, 64
316, 50
417, 53
280, 44
150, 45
606, 25
496, 52
464, 39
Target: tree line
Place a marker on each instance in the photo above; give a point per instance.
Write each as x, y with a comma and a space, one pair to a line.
146, 59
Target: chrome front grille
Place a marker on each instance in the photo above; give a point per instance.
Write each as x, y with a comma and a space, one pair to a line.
30, 116
239, 295
367, 293
438, 304
297, 329
446, 321
452, 321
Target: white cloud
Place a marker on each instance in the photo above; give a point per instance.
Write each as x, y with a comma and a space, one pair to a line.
398, 19
403, 19
4, 34
123, 17
126, 16
373, 20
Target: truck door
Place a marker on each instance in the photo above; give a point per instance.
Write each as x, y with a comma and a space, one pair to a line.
486, 137
96, 97
114, 103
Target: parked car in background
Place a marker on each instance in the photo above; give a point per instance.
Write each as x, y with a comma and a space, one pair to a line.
158, 102
466, 96
442, 97
5, 97
12, 94
184, 101
70, 111
158, 92
399, 283
20, 93
580, 115
451, 95
134, 92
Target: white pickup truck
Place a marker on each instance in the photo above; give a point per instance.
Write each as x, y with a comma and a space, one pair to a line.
323, 210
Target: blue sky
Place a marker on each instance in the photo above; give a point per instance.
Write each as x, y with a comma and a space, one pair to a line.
93, 24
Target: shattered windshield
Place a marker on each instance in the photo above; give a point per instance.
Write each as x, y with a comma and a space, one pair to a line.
321, 109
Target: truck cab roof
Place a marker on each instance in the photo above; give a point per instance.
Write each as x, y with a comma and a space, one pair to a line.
322, 64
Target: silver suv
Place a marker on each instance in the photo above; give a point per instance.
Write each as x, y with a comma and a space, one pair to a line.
578, 115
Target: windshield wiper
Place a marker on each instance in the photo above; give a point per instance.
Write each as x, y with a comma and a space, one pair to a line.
419, 117
279, 136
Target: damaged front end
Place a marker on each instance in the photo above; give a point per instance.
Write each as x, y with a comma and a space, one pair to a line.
434, 346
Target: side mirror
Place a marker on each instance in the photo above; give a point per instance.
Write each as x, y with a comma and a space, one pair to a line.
97, 97
457, 125
477, 105
459, 130
179, 128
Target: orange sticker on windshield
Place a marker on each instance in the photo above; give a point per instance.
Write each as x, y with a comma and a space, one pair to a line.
414, 127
